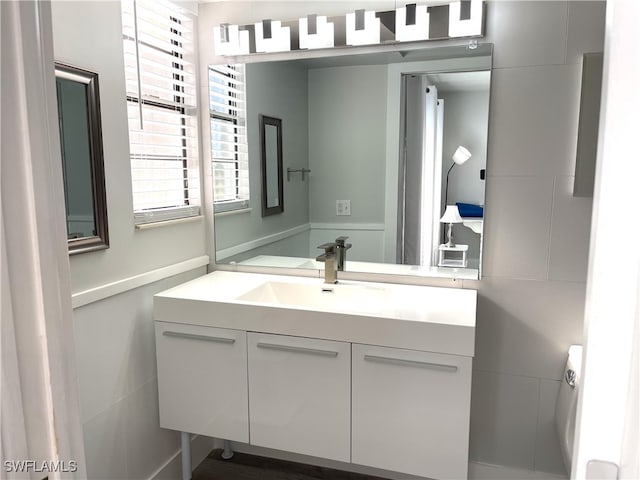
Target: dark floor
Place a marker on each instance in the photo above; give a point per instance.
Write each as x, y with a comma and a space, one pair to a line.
250, 467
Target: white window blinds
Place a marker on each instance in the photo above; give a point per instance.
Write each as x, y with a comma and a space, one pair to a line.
159, 58
229, 150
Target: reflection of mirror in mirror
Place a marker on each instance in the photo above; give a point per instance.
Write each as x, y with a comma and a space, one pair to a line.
271, 161
352, 120
271, 153
81, 149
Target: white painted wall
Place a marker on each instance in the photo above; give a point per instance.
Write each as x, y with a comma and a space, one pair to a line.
89, 35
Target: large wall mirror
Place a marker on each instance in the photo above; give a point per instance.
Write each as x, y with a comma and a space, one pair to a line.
82, 158
378, 133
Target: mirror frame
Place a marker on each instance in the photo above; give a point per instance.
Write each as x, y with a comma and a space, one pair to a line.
100, 240
276, 122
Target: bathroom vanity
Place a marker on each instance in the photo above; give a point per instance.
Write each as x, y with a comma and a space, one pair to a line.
368, 373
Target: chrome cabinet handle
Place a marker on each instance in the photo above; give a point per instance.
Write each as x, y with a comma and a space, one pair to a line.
290, 348
192, 336
411, 363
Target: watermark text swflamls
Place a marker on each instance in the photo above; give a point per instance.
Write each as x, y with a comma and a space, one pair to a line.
43, 466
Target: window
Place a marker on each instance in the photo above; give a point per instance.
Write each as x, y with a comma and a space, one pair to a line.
161, 98
229, 157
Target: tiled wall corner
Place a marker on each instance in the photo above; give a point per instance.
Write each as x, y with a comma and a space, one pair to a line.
531, 299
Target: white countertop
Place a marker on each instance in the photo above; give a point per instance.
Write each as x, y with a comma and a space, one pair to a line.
405, 316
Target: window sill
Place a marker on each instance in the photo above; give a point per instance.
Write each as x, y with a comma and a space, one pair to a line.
232, 212
166, 223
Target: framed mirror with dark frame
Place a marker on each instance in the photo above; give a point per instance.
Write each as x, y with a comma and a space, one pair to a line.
271, 165
79, 121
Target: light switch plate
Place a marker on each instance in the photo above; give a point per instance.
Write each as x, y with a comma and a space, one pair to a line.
343, 208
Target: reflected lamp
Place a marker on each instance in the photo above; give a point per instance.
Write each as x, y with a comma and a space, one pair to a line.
451, 216
460, 156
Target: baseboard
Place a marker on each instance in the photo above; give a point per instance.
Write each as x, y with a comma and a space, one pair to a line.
260, 242
485, 471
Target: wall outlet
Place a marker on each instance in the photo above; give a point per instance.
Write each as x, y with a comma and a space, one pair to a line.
343, 207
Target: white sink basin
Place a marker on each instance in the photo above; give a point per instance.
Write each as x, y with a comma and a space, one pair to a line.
355, 299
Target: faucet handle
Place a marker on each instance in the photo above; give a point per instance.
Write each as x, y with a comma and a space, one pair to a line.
328, 247
340, 243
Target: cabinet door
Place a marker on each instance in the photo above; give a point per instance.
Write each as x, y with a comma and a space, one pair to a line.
202, 380
299, 395
411, 411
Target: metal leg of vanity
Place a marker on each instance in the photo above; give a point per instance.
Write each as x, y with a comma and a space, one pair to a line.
186, 455
227, 452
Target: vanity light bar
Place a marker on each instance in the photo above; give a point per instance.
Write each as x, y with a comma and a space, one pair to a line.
271, 36
413, 22
315, 32
363, 28
230, 40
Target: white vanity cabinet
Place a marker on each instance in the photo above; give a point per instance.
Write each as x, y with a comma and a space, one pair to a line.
368, 373
410, 411
300, 395
202, 380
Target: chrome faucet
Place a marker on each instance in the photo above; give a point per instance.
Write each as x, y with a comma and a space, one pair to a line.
329, 258
341, 252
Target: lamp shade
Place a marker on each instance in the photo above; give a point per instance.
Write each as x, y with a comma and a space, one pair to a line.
461, 155
451, 215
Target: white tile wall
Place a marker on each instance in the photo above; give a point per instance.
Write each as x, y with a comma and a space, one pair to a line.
548, 457
525, 327
504, 411
537, 111
570, 231
585, 29
516, 242
527, 32
531, 301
